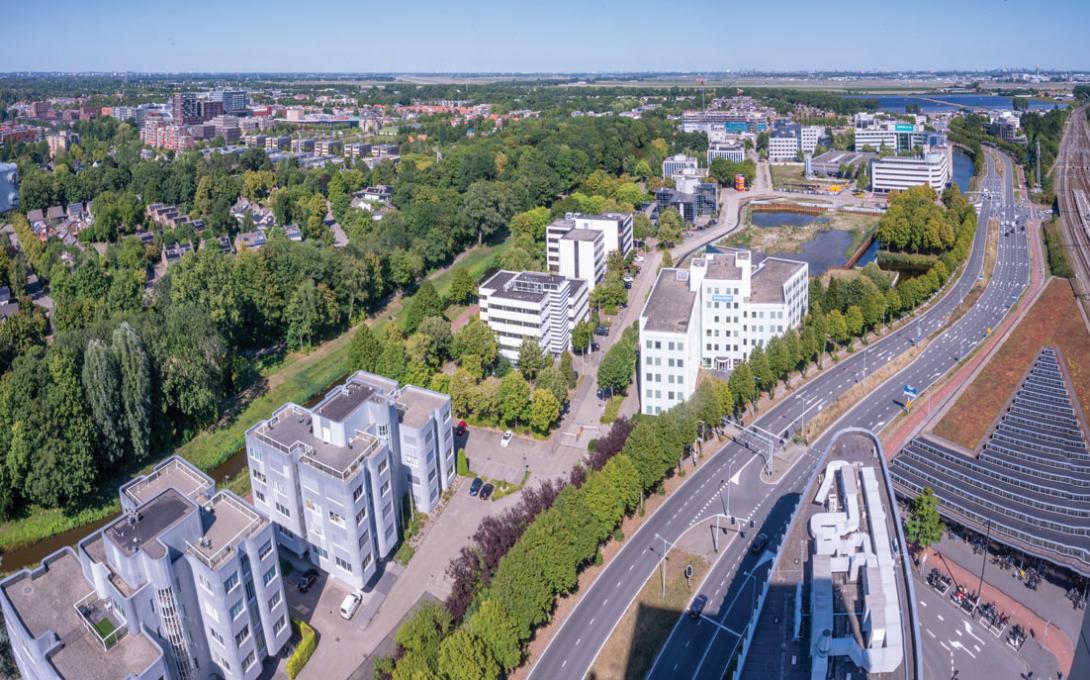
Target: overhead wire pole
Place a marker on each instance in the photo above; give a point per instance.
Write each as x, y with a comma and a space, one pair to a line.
662, 562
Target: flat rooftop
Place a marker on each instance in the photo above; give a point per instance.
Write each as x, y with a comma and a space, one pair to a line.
527, 286
228, 522
724, 267
294, 425
671, 303
766, 286
171, 474
343, 400
138, 530
582, 235
45, 601
419, 404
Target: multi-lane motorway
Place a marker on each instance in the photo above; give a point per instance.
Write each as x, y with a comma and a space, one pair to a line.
704, 648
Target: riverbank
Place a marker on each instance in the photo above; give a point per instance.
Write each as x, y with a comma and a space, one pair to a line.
220, 450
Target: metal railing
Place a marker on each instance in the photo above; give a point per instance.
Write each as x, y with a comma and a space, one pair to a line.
371, 444
94, 612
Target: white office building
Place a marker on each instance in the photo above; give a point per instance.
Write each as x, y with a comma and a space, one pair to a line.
678, 163
783, 145
545, 307
732, 151
332, 477
184, 585
711, 316
896, 173
616, 231
809, 137
582, 256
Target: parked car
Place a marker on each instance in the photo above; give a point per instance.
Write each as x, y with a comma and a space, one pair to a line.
602, 330
306, 580
628, 278
638, 258
594, 347
486, 492
349, 606
697, 607
603, 393
506, 439
460, 429
759, 544
475, 486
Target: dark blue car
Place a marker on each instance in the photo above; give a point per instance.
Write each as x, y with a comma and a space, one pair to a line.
475, 486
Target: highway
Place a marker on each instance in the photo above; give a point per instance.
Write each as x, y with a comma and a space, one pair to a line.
704, 648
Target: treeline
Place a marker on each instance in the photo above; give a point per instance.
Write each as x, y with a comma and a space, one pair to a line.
507, 580
1047, 128
785, 100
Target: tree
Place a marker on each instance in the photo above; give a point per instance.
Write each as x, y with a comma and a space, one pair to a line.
531, 358
581, 335
762, 371
310, 311
102, 384
487, 206
742, 385
514, 398
500, 633
462, 286
466, 656
566, 369
135, 385
392, 361
364, 350
475, 338
423, 633
837, 326
544, 410
424, 303
553, 379
435, 340
854, 320
642, 228
924, 525
615, 369
670, 227
643, 169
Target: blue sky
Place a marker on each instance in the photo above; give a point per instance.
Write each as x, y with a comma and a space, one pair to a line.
543, 35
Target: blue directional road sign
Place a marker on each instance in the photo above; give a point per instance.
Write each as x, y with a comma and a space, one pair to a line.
910, 392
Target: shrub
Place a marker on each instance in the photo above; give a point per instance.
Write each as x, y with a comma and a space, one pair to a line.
308, 642
461, 464
618, 535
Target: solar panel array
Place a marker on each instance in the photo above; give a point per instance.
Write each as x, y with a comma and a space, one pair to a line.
1031, 479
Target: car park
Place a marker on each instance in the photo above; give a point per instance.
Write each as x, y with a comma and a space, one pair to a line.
475, 486
505, 440
306, 580
349, 605
486, 492
697, 607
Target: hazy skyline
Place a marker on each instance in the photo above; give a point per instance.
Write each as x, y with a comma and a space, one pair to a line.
561, 36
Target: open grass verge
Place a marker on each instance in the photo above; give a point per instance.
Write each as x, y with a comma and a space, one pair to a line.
1054, 320
643, 629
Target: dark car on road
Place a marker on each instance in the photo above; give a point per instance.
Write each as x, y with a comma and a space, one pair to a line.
603, 393
697, 607
594, 347
475, 486
602, 330
759, 544
306, 580
486, 492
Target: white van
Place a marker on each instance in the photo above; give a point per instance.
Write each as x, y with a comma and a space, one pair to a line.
349, 606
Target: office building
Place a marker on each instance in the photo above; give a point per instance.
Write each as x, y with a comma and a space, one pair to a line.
328, 147
732, 151
302, 146
234, 101
186, 584
332, 477
9, 187
711, 316
184, 108
274, 143
783, 142
616, 231
582, 256
809, 137
545, 307
678, 163
691, 196
895, 173
61, 140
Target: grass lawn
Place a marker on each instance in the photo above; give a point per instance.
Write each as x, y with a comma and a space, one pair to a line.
785, 174
105, 628
1054, 320
296, 377
632, 647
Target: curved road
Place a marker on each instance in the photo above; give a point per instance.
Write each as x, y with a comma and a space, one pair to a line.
704, 648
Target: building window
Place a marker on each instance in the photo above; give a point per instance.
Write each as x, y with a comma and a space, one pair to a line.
259, 496
269, 575
382, 467
363, 539
215, 635
367, 560
280, 623
282, 510
260, 476
274, 600
357, 493
231, 583
361, 515
336, 519
249, 660
385, 489
236, 609
343, 564
265, 550
242, 636
390, 531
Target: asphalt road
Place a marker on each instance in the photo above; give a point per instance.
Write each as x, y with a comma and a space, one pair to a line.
704, 648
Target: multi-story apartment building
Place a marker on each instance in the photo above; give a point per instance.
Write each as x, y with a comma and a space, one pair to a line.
328, 147
546, 307
185, 585
679, 163
582, 256
616, 231
895, 173
185, 108
9, 186
711, 316
234, 101
332, 477
274, 143
62, 140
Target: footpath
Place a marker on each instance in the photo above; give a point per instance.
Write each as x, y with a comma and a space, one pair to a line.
933, 404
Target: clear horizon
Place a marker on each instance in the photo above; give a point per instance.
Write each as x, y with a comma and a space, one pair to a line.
482, 36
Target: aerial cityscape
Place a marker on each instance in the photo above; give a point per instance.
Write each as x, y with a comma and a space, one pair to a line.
611, 342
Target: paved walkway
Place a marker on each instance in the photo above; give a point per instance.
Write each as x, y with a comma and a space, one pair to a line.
931, 405
1047, 635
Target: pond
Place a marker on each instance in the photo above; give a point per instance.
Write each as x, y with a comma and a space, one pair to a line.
963, 170
767, 219
827, 249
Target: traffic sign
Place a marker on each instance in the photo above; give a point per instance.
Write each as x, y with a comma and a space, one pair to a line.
910, 392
